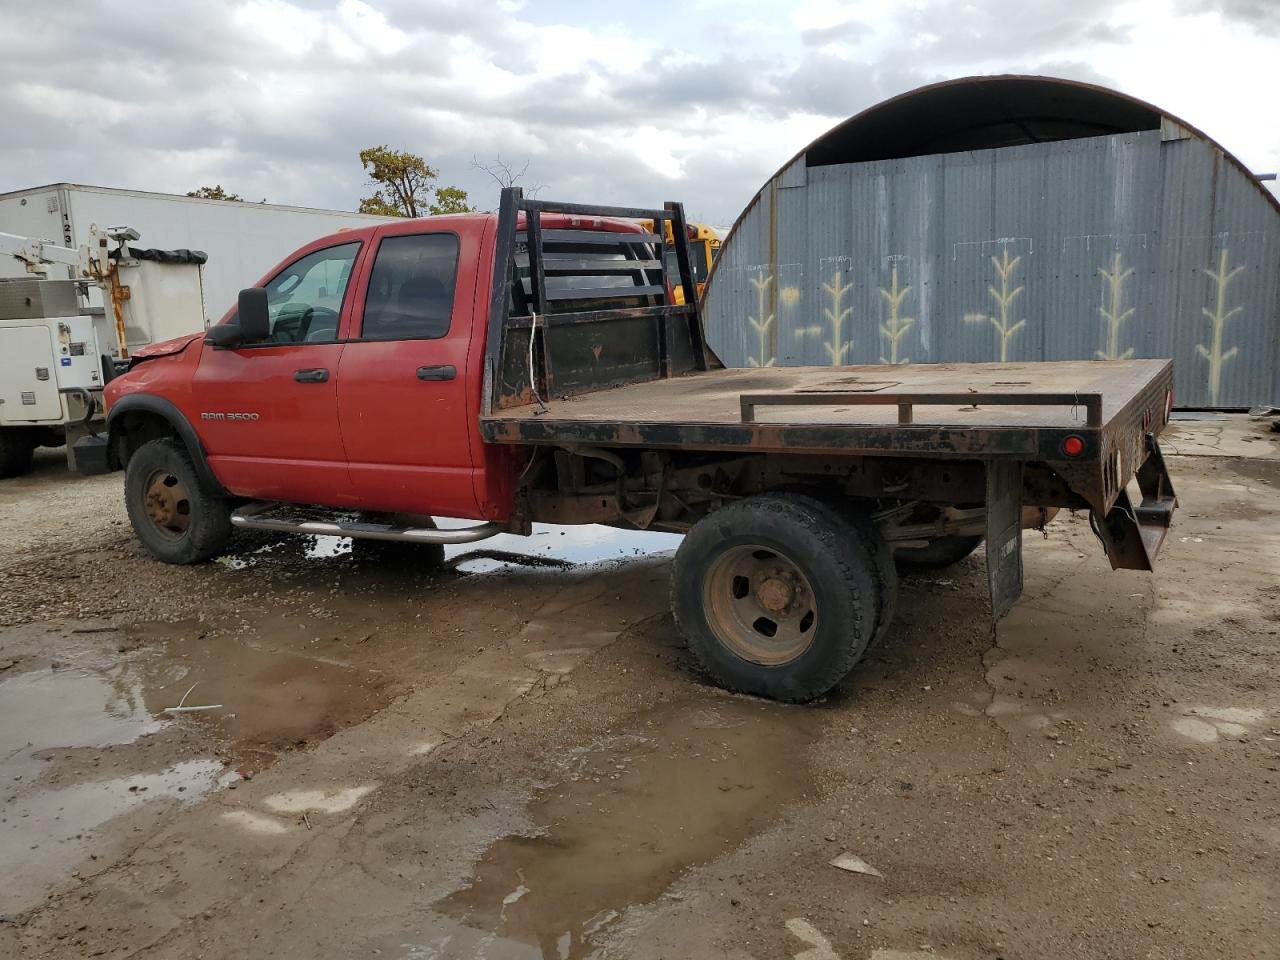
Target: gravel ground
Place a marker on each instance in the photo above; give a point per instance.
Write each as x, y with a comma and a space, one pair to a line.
524, 762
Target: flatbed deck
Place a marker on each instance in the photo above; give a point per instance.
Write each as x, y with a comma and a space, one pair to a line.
979, 410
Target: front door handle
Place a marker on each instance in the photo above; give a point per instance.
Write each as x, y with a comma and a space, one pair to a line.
316, 375
443, 371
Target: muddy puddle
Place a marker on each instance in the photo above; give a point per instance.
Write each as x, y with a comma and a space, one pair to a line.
263, 696
590, 543
549, 545
60, 728
631, 814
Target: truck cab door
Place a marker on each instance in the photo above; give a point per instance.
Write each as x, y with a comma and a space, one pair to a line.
267, 413
403, 379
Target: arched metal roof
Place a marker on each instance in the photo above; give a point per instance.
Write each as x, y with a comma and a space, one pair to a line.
977, 113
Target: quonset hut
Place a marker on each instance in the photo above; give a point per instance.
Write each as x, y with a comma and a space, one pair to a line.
1010, 218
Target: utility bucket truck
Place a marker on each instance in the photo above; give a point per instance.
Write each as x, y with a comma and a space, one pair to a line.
57, 352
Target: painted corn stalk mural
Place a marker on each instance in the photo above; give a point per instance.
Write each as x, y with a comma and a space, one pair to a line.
1219, 315
1147, 241
837, 314
1002, 317
762, 320
896, 325
1113, 312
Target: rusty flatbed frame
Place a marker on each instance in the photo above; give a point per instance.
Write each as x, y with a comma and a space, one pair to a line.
925, 409
642, 376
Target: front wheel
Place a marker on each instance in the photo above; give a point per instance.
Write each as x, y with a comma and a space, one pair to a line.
16, 448
778, 596
175, 516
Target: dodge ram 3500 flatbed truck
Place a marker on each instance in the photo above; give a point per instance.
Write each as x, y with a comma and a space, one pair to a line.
532, 365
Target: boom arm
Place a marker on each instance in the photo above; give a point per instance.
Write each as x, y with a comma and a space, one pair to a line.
38, 254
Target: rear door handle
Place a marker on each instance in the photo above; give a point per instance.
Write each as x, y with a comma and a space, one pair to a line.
443, 371
316, 375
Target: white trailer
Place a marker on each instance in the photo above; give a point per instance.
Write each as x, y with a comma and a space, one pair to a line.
242, 240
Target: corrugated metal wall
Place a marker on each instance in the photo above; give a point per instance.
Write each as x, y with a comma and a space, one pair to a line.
1106, 247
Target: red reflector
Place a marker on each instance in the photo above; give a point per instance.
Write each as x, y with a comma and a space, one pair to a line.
1073, 446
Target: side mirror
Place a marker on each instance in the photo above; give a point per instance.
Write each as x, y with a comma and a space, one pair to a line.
225, 335
255, 322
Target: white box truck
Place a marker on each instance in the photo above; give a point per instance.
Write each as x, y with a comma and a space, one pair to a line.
242, 240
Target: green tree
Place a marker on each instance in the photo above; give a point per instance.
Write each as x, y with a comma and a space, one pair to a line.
451, 200
215, 192
404, 184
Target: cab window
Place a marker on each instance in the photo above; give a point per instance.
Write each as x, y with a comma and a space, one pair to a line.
304, 300
411, 288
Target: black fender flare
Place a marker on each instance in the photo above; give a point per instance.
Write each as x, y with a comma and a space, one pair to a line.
166, 410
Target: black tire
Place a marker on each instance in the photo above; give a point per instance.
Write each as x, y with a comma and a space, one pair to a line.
423, 557
176, 517
940, 553
856, 517
885, 569
16, 449
729, 567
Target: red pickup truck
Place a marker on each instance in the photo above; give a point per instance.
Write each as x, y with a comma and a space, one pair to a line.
534, 365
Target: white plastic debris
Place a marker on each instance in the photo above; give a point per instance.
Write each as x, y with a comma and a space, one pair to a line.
855, 864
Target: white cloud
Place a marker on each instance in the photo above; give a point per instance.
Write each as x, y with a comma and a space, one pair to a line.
698, 100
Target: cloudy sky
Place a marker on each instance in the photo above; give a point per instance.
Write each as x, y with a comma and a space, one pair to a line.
699, 100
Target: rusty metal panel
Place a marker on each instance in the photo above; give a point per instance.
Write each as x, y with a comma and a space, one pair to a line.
1114, 247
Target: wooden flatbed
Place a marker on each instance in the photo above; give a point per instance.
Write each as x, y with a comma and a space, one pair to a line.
979, 410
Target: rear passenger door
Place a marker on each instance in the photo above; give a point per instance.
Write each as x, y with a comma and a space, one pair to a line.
402, 383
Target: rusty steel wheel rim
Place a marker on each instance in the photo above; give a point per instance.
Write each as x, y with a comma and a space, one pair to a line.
167, 503
760, 605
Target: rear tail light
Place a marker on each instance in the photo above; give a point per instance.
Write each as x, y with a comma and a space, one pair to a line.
1073, 445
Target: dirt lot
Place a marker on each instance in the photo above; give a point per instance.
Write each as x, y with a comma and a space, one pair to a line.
516, 761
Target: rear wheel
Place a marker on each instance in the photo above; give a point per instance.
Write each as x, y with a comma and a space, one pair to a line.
16, 448
777, 595
175, 516
885, 570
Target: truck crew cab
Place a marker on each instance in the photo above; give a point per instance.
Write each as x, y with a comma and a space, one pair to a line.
533, 365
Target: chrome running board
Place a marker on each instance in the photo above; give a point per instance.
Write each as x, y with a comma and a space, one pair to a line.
292, 519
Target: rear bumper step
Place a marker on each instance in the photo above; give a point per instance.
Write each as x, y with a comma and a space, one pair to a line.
1133, 535
287, 518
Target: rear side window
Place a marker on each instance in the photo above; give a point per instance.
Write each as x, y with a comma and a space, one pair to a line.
411, 288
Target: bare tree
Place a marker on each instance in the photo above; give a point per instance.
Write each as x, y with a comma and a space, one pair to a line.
506, 175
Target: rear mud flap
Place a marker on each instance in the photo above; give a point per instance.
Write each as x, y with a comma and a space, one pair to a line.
1004, 534
1133, 535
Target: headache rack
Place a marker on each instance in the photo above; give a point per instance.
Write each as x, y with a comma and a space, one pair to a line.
581, 302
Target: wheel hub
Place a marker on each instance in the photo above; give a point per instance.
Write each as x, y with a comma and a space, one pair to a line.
775, 594
760, 605
167, 504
